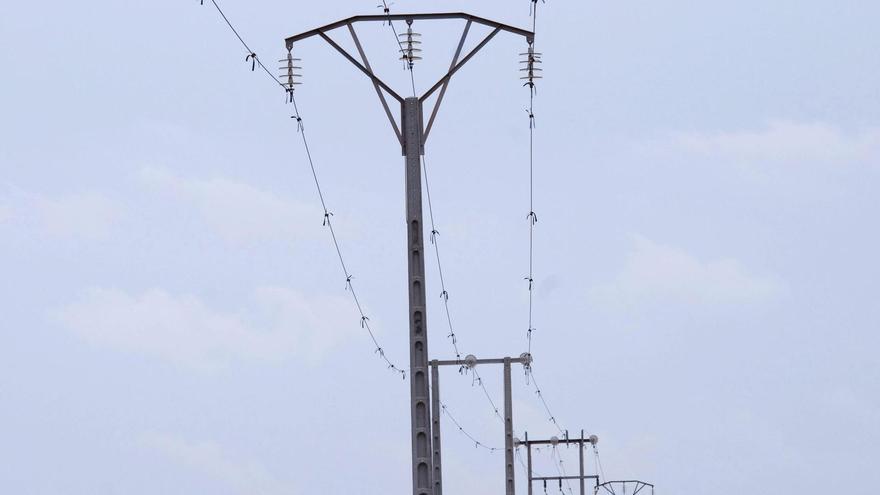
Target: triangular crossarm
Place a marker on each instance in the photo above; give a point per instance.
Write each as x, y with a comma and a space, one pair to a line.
441, 85
379, 92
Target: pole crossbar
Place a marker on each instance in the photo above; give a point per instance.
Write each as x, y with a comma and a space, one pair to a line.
461, 362
529, 35
557, 478
562, 441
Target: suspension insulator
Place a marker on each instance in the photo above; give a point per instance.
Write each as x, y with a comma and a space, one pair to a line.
531, 62
409, 47
290, 72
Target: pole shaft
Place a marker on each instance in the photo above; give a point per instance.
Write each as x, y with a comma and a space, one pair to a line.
510, 481
581, 458
529, 462
435, 426
418, 331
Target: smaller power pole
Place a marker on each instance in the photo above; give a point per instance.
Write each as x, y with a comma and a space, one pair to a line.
554, 442
471, 362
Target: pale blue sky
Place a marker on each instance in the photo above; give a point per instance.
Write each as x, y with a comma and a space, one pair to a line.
175, 321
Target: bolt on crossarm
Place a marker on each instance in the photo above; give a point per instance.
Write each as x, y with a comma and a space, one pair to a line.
412, 134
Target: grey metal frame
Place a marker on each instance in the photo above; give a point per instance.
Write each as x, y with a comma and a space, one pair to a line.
412, 136
608, 487
441, 85
581, 477
410, 17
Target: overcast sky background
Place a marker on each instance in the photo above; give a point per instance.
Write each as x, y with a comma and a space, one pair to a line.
174, 319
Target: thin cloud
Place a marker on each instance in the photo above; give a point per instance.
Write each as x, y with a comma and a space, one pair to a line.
5, 213
237, 211
278, 324
85, 216
212, 461
785, 141
655, 273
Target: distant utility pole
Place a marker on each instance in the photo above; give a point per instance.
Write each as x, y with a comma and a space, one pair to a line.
553, 442
412, 133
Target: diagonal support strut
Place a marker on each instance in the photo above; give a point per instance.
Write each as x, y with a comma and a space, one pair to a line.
360, 49
467, 28
363, 69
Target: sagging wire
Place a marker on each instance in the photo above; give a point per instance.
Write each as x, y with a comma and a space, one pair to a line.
255, 61
550, 416
328, 222
599, 470
252, 55
532, 71
444, 296
477, 443
560, 469
532, 217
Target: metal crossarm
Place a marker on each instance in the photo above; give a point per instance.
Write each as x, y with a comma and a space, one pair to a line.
410, 17
380, 85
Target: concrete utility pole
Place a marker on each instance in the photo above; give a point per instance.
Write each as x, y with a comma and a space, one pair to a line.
412, 135
472, 362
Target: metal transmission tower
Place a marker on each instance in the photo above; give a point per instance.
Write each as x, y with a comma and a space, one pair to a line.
412, 134
620, 488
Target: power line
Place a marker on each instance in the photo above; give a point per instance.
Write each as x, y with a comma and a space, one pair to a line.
477, 443
532, 70
328, 222
560, 467
349, 284
599, 469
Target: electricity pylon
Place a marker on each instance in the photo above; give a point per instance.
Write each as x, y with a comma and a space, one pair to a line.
412, 133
